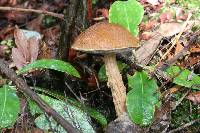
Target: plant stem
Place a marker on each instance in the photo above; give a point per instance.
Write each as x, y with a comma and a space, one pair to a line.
115, 82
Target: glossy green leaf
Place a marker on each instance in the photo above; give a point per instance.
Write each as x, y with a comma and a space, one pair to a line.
75, 116
9, 106
72, 102
90, 111
102, 72
142, 98
184, 78
127, 13
51, 64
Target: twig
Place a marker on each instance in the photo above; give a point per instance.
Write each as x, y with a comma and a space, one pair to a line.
71, 90
175, 40
184, 126
181, 53
21, 85
180, 100
60, 16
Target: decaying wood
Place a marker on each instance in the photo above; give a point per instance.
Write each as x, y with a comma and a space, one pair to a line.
115, 82
22, 86
67, 27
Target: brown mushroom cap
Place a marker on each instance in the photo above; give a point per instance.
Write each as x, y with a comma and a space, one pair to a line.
104, 37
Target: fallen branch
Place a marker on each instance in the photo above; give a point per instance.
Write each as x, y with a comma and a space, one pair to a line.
22, 86
60, 16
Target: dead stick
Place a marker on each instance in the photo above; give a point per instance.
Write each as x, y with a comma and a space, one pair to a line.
184, 126
21, 85
60, 16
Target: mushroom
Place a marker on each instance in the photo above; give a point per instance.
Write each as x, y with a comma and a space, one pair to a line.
108, 39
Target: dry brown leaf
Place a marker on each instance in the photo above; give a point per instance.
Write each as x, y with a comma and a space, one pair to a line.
18, 58
26, 51
149, 25
195, 49
21, 43
35, 24
179, 47
33, 48
45, 52
166, 17
170, 29
194, 97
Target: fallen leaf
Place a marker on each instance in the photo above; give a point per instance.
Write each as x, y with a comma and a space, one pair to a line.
149, 25
33, 48
166, 16
194, 97
35, 24
178, 48
170, 29
27, 48
51, 35
195, 49
180, 14
18, 58
45, 51
21, 43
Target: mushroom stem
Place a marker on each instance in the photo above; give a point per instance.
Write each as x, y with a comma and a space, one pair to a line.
115, 82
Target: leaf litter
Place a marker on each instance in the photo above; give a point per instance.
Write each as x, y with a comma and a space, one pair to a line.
26, 51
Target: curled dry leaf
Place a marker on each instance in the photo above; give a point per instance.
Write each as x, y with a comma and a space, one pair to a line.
26, 51
33, 48
21, 42
194, 97
170, 29
18, 58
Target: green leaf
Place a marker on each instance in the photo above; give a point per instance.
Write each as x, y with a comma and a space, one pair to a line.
51, 64
72, 102
90, 111
9, 106
102, 72
94, 1
142, 99
128, 14
184, 78
74, 115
